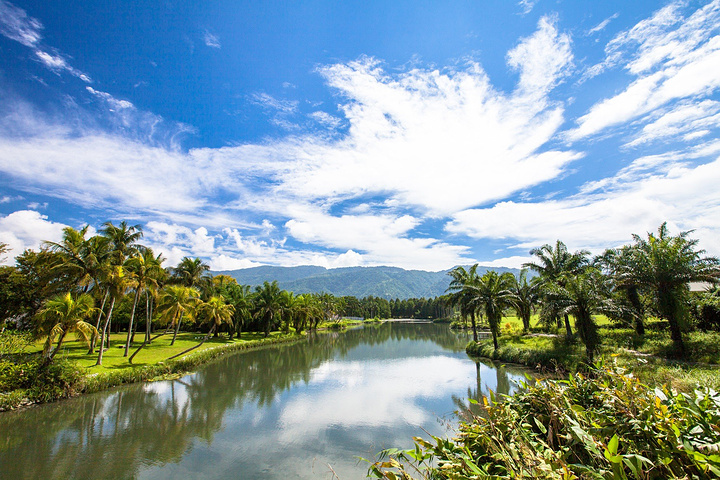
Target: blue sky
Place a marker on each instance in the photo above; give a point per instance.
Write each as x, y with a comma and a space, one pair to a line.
415, 134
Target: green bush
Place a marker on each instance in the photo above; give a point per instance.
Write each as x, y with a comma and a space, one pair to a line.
606, 426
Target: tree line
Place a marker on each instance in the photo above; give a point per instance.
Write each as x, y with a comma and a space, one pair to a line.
650, 277
89, 285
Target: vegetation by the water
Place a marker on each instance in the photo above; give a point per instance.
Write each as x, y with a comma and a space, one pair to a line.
605, 424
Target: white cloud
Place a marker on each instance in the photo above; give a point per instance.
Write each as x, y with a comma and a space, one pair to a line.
685, 196
268, 101
601, 26
25, 229
690, 119
17, 25
672, 57
326, 119
112, 101
211, 40
527, 5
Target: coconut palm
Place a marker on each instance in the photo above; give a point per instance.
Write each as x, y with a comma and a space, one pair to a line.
76, 261
241, 298
492, 293
177, 301
663, 265
192, 272
117, 281
555, 264
144, 267
124, 239
524, 295
267, 305
65, 314
462, 294
215, 311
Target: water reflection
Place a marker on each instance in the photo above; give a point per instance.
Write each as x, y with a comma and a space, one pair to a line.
284, 412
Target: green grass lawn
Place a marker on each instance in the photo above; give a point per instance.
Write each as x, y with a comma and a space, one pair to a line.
158, 351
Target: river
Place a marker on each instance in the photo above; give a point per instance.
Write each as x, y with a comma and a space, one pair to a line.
300, 411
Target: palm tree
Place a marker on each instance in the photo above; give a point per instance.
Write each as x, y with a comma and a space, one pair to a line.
462, 294
627, 292
267, 304
76, 261
215, 311
664, 265
192, 272
493, 294
3, 250
307, 309
64, 314
116, 281
177, 301
240, 297
124, 240
554, 264
288, 309
583, 295
523, 298
144, 267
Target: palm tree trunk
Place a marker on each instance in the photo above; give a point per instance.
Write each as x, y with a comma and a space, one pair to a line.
474, 327
196, 346
146, 342
97, 324
104, 331
130, 327
57, 348
177, 329
148, 316
568, 329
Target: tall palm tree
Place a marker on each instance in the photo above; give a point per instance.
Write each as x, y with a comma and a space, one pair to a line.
524, 295
215, 311
124, 240
76, 261
493, 294
241, 299
267, 304
582, 295
462, 295
554, 264
664, 265
65, 314
192, 272
117, 281
144, 267
288, 309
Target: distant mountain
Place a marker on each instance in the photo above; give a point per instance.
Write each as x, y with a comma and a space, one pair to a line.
387, 282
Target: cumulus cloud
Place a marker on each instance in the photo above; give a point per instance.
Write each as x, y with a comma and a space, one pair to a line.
25, 229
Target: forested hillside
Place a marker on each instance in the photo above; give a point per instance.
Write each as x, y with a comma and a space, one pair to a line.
386, 282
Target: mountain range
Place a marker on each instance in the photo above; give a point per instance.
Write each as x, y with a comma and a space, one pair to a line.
386, 282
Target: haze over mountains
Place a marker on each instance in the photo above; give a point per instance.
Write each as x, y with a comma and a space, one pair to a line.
386, 282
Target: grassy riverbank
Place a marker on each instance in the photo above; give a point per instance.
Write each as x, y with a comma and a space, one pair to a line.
650, 357
73, 371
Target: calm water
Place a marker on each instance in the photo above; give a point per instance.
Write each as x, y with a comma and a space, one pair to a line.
285, 412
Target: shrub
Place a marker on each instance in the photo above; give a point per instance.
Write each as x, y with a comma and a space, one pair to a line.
607, 426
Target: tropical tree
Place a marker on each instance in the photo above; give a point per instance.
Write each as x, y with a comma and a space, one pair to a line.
524, 295
63, 315
177, 301
192, 272
554, 265
307, 309
627, 291
492, 293
241, 298
664, 265
462, 293
116, 281
124, 240
583, 295
288, 309
267, 305
214, 311
145, 268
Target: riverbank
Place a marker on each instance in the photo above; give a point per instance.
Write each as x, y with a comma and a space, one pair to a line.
650, 360
71, 373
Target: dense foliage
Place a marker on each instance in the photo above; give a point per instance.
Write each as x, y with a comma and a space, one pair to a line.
607, 425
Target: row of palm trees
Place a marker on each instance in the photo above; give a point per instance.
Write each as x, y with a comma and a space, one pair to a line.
112, 266
649, 277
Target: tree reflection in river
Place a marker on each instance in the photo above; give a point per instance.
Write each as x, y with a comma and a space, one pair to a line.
336, 395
